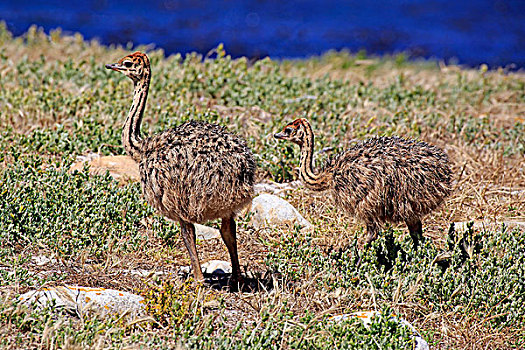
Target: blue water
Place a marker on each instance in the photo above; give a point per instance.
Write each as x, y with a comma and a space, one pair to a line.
469, 32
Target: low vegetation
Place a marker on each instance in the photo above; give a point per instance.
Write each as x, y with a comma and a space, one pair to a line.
463, 288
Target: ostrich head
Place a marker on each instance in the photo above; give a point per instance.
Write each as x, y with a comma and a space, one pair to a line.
296, 131
135, 66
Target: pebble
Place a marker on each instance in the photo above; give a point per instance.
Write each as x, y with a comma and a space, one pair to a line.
216, 267
211, 267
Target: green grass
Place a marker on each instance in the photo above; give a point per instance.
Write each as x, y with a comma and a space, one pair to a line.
57, 101
399, 273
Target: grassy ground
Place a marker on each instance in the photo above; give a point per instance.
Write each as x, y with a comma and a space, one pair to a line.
57, 102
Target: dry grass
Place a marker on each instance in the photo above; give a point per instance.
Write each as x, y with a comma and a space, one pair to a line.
486, 146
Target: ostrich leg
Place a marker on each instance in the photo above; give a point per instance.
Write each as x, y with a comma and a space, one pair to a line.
416, 231
229, 236
188, 236
372, 229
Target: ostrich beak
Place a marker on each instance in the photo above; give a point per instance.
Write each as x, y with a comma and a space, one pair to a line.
279, 136
113, 66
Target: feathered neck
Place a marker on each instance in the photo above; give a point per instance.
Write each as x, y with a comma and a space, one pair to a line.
315, 181
131, 138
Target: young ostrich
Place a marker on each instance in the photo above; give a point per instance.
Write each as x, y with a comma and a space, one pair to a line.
383, 179
192, 173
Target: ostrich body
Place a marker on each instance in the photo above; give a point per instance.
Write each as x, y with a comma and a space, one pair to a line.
192, 173
382, 179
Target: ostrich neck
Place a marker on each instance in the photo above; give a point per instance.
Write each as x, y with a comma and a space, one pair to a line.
131, 138
313, 180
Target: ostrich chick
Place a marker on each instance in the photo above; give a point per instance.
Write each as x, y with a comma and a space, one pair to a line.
192, 173
382, 179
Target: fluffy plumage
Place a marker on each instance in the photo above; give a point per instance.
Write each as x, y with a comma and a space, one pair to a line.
383, 179
192, 173
197, 172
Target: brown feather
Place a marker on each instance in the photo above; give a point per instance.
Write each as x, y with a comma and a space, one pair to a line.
192, 173
383, 179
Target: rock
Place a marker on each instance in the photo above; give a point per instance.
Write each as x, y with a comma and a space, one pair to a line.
206, 233
268, 209
216, 267
366, 318
185, 270
75, 299
212, 267
121, 168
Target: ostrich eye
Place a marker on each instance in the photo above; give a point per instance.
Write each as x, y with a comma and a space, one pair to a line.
128, 64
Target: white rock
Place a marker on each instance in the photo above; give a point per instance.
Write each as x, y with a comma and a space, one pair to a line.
366, 318
216, 267
184, 270
212, 267
81, 299
205, 232
268, 209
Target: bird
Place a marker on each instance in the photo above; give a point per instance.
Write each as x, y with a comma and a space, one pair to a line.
192, 173
378, 180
